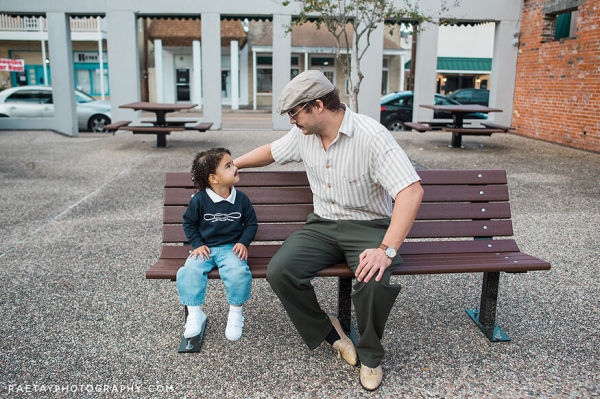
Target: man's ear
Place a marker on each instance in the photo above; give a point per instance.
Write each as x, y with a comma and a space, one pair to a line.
213, 178
319, 106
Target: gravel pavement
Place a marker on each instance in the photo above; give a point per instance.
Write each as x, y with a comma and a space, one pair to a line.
80, 222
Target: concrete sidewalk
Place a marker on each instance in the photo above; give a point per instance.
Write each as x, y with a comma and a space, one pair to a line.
80, 222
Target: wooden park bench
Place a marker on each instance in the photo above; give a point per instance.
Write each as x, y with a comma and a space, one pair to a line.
458, 132
161, 132
113, 127
429, 126
461, 213
495, 126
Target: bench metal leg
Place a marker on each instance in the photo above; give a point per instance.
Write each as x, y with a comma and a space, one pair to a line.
456, 140
161, 139
191, 345
485, 317
345, 306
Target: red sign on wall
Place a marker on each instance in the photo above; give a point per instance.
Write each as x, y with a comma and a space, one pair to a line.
12, 65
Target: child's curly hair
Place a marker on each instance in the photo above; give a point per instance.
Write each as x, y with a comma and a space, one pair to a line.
206, 163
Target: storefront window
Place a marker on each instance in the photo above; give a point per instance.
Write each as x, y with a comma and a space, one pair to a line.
97, 82
264, 74
83, 81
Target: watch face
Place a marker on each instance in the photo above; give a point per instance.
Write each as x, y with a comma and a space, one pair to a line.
390, 252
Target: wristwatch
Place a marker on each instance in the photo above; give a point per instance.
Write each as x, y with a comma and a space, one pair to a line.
390, 252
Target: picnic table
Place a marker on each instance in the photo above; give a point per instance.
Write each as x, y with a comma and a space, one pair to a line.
160, 126
458, 113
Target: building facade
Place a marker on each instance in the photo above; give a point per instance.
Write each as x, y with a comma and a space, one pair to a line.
26, 38
557, 90
122, 35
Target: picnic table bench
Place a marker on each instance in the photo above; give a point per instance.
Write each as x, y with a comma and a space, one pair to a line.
462, 211
160, 131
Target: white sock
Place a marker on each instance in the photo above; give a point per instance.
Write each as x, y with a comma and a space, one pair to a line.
235, 323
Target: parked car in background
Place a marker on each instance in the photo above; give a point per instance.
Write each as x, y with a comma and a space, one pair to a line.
470, 96
397, 108
36, 102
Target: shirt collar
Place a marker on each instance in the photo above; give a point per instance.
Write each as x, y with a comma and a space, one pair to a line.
347, 126
217, 198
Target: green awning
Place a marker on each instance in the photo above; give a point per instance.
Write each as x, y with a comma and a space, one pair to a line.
461, 64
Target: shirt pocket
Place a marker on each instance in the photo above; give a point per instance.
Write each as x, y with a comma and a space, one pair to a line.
356, 191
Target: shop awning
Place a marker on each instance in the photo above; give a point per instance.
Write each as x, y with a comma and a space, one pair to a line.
461, 64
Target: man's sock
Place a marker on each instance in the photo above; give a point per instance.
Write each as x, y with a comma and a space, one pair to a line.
332, 336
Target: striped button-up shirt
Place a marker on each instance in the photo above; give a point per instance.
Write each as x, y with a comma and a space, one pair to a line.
358, 174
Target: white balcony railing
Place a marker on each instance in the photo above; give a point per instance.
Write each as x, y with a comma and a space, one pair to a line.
37, 24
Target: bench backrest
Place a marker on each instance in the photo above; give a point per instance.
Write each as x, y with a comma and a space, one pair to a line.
462, 204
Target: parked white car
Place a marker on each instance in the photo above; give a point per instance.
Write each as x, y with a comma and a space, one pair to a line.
36, 102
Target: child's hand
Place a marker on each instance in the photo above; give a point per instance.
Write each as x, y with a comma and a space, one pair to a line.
202, 251
241, 251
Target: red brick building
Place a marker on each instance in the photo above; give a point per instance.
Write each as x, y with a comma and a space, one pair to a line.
557, 91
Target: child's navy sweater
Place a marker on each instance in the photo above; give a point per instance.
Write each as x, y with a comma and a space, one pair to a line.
212, 224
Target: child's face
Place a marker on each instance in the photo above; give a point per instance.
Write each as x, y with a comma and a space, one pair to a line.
227, 172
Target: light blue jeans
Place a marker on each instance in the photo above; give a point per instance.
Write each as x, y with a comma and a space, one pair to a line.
192, 277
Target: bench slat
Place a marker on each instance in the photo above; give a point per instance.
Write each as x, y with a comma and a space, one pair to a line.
264, 213
298, 178
472, 131
427, 211
496, 126
443, 229
116, 125
413, 264
257, 195
152, 129
408, 248
303, 195
418, 126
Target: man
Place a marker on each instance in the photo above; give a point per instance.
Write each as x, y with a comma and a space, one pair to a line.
355, 168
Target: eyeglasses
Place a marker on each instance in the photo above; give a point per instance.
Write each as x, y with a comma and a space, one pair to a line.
293, 116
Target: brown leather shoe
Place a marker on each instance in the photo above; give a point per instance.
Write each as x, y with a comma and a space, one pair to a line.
370, 379
344, 345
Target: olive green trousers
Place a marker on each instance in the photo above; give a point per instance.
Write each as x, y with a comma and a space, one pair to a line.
322, 243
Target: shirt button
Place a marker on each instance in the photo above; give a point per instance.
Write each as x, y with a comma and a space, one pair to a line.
333, 202
329, 185
327, 167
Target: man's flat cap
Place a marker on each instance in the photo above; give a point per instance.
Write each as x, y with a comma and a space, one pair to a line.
306, 86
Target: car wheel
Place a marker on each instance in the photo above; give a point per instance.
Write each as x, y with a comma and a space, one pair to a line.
396, 126
97, 123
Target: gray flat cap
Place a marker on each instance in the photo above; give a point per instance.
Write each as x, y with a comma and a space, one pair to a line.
307, 86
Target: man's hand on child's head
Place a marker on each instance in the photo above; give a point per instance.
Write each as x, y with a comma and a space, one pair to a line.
202, 251
241, 251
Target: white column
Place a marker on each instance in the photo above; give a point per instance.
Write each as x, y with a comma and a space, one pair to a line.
254, 80
425, 71
123, 61
63, 81
197, 62
211, 75
101, 58
306, 61
371, 66
41, 25
244, 77
504, 69
235, 75
282, 52
402, 72
158, 71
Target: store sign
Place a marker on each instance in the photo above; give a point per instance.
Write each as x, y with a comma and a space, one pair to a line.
91, 58
12, 65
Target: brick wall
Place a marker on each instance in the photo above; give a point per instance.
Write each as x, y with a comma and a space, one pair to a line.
557, 91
